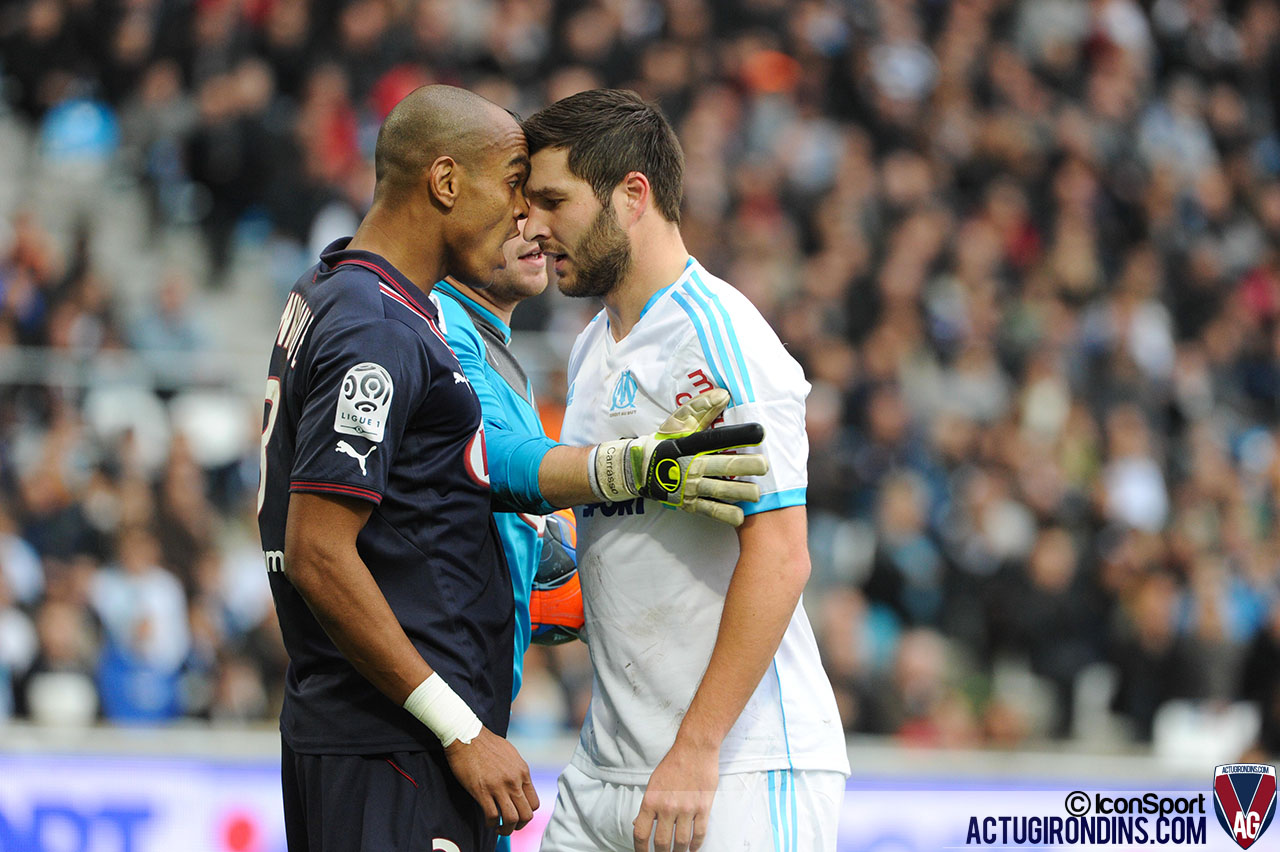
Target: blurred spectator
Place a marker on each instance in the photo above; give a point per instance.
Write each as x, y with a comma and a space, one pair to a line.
1045, 613
170, 326
18, 647
144, 612
921, 703
908, 573
1150, 655
141, 604
59, 687
23, 575
1133, 483
1261, 679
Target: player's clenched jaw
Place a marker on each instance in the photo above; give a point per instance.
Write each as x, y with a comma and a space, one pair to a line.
489, 206
600, 260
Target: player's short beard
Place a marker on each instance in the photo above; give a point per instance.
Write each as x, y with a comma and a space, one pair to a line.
601, 259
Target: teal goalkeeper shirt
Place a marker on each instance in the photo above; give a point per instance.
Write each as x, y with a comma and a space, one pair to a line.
514, 440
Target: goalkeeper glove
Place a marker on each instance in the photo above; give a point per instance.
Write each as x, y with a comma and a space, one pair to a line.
683, 466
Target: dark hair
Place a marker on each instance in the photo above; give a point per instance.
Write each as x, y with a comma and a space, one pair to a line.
608, 133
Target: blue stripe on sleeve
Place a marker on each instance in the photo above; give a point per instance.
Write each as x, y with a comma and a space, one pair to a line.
733, 336
702, 338
776, 500
735, 389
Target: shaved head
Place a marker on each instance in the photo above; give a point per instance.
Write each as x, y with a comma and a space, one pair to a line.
450, 168
433, 122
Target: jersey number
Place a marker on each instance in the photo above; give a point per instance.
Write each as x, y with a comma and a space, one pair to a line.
273, 408
442, 845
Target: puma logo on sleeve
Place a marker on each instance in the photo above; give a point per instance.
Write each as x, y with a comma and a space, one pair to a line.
348, 450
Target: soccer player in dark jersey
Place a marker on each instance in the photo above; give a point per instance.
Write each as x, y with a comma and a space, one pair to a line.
374, 509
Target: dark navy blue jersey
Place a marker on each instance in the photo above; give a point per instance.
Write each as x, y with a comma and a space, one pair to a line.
366, 400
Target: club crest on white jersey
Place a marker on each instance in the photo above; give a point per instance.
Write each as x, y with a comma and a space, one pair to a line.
624, 394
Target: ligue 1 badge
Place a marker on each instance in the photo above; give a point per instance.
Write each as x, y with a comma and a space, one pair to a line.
1244, 798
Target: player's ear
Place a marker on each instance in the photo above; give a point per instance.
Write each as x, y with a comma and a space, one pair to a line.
442, 181
632, 197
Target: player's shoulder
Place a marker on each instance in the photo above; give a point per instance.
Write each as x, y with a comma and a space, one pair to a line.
346, 292
345, 295
704, 296
596, 327
717, 315
727, 332
352, 308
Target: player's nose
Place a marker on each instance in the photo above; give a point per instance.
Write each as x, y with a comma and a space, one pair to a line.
535, 225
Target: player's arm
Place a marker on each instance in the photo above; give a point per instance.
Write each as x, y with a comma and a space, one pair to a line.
529, 472
535, 474
322, 562
532, 473
563, 478
763, 593
683, 464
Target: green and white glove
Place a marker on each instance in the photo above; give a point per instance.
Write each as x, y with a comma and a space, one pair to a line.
683, 463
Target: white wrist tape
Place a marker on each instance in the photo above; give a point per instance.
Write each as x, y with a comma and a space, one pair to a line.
609, 467
438, 707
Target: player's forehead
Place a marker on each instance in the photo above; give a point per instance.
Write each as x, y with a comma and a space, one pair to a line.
549, 175
507, 149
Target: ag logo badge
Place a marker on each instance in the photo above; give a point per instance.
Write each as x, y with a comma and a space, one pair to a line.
1244, 798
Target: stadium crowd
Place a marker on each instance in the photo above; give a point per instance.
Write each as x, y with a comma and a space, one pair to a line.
1027, 252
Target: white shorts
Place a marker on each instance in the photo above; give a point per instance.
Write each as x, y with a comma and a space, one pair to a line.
781, 811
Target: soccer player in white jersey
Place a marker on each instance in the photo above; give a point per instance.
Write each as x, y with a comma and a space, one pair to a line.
712, 724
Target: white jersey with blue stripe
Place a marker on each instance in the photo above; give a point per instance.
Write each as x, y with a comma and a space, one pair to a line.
654, 579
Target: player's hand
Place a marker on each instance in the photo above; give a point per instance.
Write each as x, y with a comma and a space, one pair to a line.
677, 802
684, 463
496, 776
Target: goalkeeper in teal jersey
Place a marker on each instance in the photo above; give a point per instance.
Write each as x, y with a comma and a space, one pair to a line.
530, 475
476, 324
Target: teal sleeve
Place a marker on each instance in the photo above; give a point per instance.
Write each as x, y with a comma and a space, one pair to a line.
514, 460
514, 450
